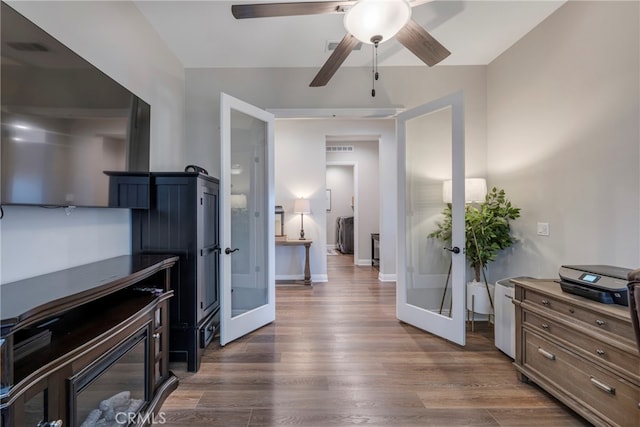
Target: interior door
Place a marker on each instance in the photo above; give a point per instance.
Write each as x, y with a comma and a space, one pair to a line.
431, 274
247, 218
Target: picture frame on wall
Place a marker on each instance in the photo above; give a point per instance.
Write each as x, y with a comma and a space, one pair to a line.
279, 225
328, 196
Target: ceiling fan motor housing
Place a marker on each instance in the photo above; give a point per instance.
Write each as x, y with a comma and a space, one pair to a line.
375, 21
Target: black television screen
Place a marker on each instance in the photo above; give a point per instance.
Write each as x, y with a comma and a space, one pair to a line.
64, 122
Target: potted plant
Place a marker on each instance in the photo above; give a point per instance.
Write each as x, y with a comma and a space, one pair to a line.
487, 232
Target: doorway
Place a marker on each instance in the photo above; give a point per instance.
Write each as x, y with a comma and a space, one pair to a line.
341, 219
300, 170
353, 178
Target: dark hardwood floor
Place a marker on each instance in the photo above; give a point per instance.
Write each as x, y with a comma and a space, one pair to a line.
337, 356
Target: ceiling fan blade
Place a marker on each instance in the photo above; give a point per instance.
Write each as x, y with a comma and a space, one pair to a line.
421, 43
267, 10
336, 59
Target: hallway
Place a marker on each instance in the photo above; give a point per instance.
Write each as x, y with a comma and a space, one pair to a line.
337, 356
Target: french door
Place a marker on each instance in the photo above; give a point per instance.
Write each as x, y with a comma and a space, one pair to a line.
247, 218
431, 274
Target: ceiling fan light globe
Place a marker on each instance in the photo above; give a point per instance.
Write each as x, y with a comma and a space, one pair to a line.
382, 18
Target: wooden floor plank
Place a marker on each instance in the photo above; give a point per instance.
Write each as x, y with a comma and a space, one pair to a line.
337, 356
386, 418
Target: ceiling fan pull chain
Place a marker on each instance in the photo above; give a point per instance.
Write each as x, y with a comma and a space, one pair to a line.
374, 71
376, 60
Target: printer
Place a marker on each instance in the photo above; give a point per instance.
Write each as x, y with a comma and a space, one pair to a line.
604, 283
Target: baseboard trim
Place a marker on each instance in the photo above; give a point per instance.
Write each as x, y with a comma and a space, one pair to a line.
286, 277
299, 277
386, 277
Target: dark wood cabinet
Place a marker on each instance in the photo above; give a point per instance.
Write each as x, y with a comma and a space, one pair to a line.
76, 338
38, 403
129, 190
183, 219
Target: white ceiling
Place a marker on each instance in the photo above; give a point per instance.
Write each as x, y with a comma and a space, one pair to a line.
205, 34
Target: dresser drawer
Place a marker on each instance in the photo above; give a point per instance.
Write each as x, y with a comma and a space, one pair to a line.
607, 396
596, 351
590, 318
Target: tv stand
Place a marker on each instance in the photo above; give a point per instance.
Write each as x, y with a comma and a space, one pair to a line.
78, 340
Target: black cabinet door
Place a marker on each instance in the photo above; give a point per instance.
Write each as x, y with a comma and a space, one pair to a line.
209, 263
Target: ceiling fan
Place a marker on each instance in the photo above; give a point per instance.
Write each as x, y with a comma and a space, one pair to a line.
367, 21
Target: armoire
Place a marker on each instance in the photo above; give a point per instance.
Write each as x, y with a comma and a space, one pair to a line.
178, 213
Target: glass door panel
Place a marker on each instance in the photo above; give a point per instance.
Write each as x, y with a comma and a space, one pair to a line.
249, 282
428, 164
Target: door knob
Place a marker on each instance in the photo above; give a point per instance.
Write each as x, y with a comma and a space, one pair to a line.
229, 250
455, 249
209, 249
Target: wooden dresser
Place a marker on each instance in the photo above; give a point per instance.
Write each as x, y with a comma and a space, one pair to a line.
581, 351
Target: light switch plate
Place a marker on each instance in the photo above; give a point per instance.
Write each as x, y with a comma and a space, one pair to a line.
543, 229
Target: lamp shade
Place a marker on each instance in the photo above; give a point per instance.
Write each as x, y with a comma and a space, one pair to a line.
377, 20
475, 190
238, 201
302, 206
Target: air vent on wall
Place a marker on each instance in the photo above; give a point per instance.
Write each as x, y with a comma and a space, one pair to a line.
331, 46
28, 46
339, 148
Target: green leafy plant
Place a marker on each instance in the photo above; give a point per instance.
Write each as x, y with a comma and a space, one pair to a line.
487, 229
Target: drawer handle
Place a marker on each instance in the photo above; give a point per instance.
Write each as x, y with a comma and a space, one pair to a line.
508, 297
545, 302
545, 326
600, 352
156, 335
602, 386
546, 354
600, 322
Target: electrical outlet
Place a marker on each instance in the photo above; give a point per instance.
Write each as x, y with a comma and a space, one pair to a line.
543, 229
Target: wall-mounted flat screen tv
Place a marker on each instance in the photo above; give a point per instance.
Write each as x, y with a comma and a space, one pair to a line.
63, 122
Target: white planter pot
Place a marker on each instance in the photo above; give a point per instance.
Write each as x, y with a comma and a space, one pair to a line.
477, 298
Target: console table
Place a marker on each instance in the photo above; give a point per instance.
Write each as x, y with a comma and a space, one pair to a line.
581, 351
81, 342
307, 245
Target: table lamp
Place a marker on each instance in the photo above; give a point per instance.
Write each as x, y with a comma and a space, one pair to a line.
475, 190
302, 206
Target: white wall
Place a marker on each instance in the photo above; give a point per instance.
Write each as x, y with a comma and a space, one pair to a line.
117, 39
563, 141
